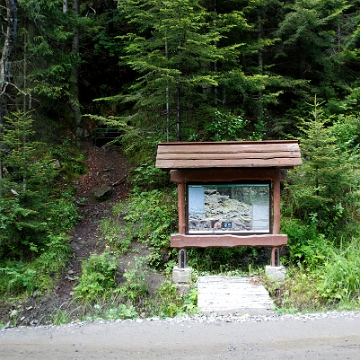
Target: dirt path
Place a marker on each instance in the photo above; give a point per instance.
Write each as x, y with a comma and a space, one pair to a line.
284, 338
106, 166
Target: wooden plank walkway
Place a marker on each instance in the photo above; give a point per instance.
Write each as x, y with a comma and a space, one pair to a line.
224, 294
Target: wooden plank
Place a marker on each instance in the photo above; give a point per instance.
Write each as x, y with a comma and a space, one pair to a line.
228, 147
245, 142
181, 208
186, 164
252, 154
225, 293
225, 175
276, 206
228, 240
227, 155
193, 148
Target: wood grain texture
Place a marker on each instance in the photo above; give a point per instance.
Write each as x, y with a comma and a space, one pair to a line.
225, 175
246, 154
225, 293
228, 240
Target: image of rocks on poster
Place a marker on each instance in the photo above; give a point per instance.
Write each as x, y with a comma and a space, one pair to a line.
231, 208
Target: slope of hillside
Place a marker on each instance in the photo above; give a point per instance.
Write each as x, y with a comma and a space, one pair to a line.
107, 166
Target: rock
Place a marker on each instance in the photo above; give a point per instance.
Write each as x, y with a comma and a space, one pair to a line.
102, 193
56, 164
13, 313
230, 214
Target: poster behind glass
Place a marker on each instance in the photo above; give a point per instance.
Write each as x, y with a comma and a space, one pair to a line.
228, 208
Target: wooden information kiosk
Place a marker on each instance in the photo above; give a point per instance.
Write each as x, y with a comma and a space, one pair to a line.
228, 192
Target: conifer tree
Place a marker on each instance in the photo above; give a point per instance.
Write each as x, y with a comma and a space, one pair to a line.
324, 190
171, 48
24, 192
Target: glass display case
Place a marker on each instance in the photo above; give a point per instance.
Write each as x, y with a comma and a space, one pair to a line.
241, 208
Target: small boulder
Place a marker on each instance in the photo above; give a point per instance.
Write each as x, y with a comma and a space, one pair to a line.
102, 193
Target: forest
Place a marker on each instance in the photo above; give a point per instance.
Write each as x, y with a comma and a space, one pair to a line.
144, 72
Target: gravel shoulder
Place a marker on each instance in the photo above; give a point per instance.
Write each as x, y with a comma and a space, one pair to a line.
232, 336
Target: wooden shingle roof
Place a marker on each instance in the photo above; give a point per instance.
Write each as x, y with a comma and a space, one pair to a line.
232, 154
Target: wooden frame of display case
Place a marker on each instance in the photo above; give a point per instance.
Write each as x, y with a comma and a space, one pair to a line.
227, 163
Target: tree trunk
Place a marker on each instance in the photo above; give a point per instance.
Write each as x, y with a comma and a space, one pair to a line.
260, 64
74, 101
65, 6
5, 61
8, 46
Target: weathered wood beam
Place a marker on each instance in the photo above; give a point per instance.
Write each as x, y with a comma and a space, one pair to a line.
230, 240
225, 175
223, 163
181, 208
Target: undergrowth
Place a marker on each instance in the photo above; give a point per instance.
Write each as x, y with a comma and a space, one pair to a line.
330, 284
148, 217
37, 208
105, 291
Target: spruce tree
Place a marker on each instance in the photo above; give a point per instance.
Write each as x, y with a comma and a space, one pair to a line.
324, 190
173, 50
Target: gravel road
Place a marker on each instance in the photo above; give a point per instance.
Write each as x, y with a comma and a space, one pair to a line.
314, 336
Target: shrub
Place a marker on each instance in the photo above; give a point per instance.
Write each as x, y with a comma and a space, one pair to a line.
307, 246
168, 303
299, 292
341, 274
99, 274
150, 218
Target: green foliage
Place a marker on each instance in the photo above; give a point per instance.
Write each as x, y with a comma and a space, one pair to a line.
341, 274
101, 279
150, 218
147, 176
62, 214
226, 127
70, 158
31, 211
35, 212
221, 260
169, 303
60, 317
20, 277
135, 287
99, 274
330, 283
307, 246
140, 146
114, 234
325, 187
17, 277
47, 31
122, 311
54, 255
299, 292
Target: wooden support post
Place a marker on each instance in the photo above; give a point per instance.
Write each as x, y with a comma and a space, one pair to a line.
181, 208
275, 252
182, 258
276, 206
275, 256
182, 225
